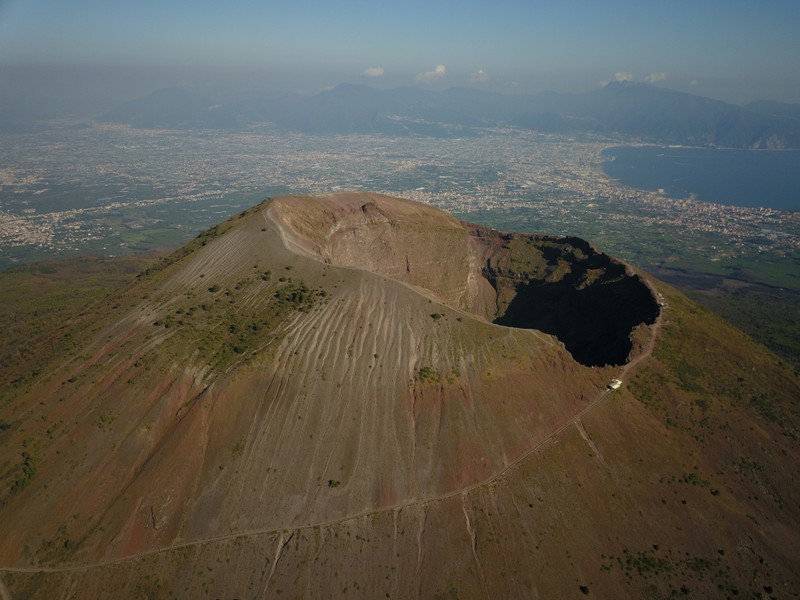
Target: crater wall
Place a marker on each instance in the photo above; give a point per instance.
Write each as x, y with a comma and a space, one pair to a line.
563, 286
558, 285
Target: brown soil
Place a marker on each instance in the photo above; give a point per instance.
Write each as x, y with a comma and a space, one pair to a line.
263, 416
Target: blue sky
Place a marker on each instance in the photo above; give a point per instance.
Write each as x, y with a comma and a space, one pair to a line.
734, 50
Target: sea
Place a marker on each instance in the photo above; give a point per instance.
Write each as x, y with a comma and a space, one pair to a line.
751, 178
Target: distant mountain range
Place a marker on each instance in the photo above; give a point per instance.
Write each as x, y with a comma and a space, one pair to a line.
626, 109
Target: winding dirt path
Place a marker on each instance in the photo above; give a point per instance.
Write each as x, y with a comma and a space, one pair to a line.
647, 351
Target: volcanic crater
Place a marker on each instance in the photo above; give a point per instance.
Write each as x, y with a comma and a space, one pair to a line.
360, 395
562, 286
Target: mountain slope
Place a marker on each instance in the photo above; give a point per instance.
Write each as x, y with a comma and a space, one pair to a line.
269, 411
620, 108
672, 117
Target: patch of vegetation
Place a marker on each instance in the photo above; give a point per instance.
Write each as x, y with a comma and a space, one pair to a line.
669, 574
707, 365
41, 305
771, 316
643, 563
695, 479
427, 375
646, 385
28, 467
222, 331
56, 549
561, 270
105, 421
238, 448
767, 406
298, 296
453, 376
688, 375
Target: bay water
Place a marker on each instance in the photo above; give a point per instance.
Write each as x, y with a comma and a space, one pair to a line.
751, 178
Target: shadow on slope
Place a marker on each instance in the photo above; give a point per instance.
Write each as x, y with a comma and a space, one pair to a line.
587, 299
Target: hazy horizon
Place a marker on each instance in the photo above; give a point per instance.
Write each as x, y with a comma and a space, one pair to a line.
733, 51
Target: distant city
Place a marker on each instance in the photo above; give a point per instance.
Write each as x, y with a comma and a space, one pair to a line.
113, 190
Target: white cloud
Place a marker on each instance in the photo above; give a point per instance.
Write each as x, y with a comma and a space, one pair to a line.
655, 77
432, 76
694, 83
623, 76
373, 72
479, 76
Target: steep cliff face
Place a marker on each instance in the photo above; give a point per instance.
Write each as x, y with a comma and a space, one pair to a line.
403, 240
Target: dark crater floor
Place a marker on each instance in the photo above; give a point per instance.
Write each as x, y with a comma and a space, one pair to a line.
590, 301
